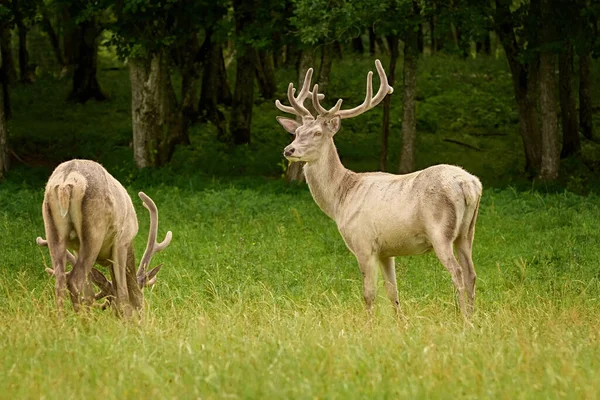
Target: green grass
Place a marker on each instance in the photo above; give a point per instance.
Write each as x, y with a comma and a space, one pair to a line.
259, 298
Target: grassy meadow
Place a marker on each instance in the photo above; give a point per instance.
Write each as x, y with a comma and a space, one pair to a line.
259, 297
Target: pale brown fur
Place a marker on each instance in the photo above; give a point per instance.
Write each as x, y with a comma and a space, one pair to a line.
86, 210
383, 215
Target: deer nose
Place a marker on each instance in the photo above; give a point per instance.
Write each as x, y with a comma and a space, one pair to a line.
289, 152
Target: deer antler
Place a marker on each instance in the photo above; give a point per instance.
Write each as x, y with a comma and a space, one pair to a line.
106, 287
370, 101
152, 247
297, 103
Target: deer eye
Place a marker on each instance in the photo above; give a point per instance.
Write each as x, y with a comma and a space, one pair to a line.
318, 133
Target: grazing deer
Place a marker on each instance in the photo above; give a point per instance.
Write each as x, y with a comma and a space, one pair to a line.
383, 215
87, 210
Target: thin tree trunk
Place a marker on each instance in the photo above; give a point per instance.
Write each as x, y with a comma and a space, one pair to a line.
433, 30
372, 41
189, 59
53, 37
25, 76
325, 69
5, 71
585, 95
294, 172
568, 108
387, 101
4, 155
69, 29
209, 94
243, 97
357, 45
8, 61
525, 86
265, 74
156, 119
85, 82
420, 39
409, 119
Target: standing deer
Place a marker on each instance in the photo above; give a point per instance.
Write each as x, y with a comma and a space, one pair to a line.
383, 215
87, 210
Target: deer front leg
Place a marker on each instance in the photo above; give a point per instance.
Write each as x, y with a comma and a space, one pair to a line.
388, 269
120, 280
368, 268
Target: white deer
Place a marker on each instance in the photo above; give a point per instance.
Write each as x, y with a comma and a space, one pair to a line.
383, 215
87, 210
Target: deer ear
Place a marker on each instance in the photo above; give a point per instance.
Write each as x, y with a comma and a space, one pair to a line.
334, 124
289, 125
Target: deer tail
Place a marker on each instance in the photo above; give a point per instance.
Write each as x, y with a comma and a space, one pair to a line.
64, 198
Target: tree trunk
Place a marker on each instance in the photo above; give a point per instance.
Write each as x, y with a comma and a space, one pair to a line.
420, 39
387, 101
294, 172
325, 69
568, 108
209, 94
372, 41
525, 86
409, 119
433, 33
548, 92
357, 45
243, 97
4, 155
585, 95
265, 74
69, 46
23, 53
156, 119
8, 61
550, 154
189, 63
85, 82
54, 40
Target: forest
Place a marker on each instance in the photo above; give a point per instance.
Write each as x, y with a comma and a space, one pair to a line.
260, 294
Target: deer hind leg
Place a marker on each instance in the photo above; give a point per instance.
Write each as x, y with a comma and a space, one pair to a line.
58, 254
444, 252
79, 283
388, 270
464, 248
57, 245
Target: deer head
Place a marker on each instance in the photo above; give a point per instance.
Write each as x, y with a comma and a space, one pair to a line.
314, 130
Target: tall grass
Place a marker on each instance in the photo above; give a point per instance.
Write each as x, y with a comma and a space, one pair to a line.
259, 298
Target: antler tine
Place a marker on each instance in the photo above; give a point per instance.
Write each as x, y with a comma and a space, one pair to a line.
323, 111
152, 247
297, 103
370, 101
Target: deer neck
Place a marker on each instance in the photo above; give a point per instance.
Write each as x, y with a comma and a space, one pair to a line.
324, 177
